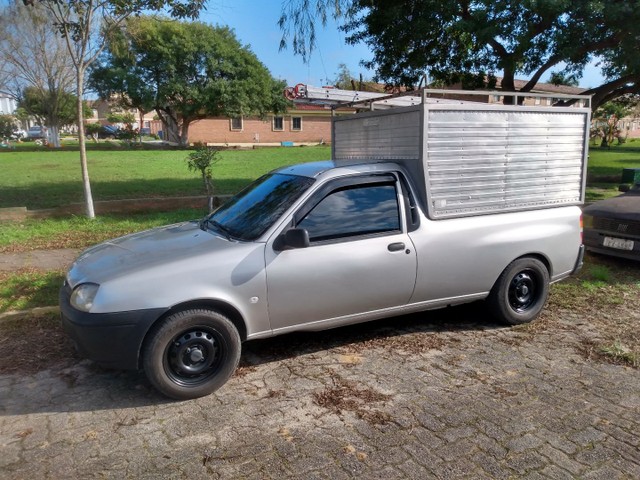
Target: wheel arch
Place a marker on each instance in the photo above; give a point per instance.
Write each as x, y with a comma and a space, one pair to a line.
220, 306
538, 256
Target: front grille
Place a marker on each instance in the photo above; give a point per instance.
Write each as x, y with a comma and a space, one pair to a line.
619, 227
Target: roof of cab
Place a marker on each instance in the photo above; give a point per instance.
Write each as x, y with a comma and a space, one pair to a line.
316, 169
311, 169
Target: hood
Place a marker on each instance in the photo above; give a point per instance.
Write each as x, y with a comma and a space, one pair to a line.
143, 250
623, 207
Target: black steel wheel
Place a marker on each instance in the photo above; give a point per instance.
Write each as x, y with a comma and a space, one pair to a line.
520, 292
191, 353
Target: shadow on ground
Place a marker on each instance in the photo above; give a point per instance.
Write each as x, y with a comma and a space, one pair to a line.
63, 382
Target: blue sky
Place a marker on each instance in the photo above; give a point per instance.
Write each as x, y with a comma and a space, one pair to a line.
255, 24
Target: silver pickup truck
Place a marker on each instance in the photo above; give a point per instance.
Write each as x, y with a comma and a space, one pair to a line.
325, 244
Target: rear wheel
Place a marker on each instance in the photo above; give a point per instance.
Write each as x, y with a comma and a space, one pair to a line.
520, 292
191, 354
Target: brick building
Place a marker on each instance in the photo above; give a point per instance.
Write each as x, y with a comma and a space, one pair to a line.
301, 125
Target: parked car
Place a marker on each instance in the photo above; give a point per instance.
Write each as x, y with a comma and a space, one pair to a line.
145, 131
612, 226
37, 132
109, 131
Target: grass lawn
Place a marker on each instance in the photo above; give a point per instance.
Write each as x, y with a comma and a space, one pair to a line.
80, 232
46, 178
605, 168
29, 289
609, 162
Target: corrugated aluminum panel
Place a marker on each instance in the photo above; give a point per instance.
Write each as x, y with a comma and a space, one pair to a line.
490, 161
474, 160
394, 135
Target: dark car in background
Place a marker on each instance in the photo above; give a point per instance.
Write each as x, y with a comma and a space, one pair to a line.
612, 226
109, 131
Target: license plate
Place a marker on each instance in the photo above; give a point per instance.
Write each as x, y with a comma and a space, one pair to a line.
619, 243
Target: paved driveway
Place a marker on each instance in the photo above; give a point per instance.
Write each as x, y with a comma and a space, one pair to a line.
436, 395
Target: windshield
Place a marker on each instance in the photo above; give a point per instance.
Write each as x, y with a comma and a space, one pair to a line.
251, 212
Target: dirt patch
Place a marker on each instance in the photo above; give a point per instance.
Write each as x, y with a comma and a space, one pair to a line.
346, 395
602, 305
38, 259
29, 345
408, 342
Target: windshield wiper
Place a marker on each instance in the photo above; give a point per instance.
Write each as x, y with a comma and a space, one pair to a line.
219, 227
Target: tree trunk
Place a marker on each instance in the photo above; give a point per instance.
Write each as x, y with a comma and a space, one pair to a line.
140, 125
88, 198
184, 133
54, 136
173, 130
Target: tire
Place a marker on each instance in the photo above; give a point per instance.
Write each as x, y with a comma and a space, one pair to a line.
191, 354
520, 292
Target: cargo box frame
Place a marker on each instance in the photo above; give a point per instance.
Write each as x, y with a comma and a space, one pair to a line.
470, 158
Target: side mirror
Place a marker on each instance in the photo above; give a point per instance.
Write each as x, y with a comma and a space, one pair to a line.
293, 238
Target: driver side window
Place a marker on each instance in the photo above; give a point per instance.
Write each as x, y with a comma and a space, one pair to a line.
354, 211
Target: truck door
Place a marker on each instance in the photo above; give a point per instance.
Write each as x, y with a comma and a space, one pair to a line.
360, 258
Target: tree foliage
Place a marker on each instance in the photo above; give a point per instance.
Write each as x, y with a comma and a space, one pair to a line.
7, 126
83, 25
36, 65
559, 78
185, 71
201, 161
51, 108
505, 38
606, 124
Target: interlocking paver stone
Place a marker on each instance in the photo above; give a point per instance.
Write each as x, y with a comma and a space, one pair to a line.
489, 403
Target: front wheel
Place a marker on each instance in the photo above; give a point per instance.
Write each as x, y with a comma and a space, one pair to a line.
191, 354
520, 292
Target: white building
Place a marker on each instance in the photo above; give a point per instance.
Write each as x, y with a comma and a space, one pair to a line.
7, 105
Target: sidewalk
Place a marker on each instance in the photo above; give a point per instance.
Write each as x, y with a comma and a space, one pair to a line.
39, 259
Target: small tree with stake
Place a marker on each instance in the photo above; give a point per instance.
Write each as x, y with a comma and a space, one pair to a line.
201, 160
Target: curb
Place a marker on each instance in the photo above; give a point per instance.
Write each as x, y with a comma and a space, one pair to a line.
20, 314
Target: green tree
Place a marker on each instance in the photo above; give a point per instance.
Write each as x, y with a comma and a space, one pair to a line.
93, 129
606, 120
559, 78
36, 62
185, 71
121, 117
83, 25
482, 38
7, 126
343, 79
201, 161
51, 108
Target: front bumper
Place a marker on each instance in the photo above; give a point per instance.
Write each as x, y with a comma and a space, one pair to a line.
112, 340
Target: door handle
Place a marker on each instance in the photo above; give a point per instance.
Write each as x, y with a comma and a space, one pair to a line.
395, 247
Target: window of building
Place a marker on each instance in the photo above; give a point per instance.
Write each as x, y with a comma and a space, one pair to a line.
236, 123
278, 124
296, 123
537, 101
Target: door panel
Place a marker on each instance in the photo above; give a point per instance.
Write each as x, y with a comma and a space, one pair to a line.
328, 281
360, 258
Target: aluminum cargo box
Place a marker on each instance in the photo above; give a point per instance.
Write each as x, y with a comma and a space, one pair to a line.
472, 158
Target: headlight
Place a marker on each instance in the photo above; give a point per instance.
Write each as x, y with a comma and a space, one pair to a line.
83, 295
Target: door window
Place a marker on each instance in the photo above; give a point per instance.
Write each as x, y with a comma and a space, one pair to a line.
354, 211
